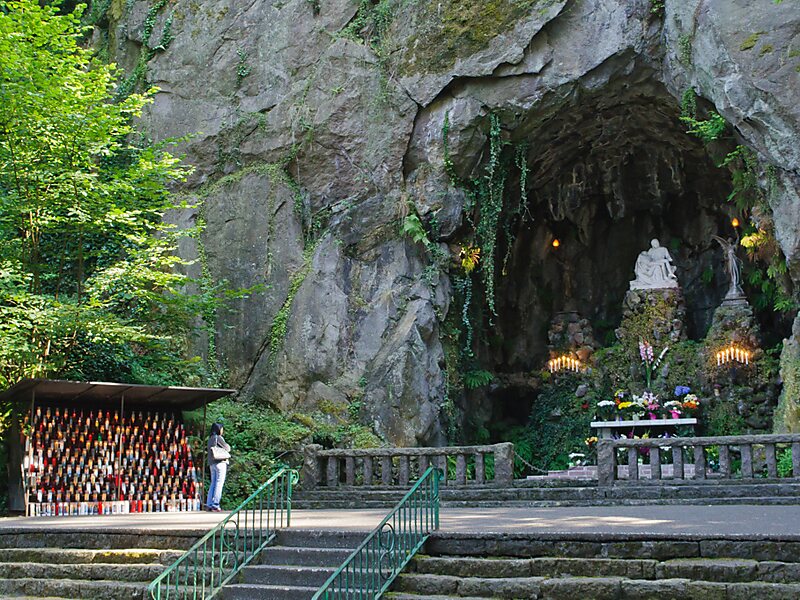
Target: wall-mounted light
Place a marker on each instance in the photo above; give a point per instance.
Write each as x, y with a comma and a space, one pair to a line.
733, 353
564, 363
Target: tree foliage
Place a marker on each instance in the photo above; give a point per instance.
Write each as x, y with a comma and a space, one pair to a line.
90, 287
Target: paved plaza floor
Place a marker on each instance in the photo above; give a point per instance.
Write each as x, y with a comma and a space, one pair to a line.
735, 520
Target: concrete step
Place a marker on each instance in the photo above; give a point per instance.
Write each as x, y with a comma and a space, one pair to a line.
244, 591
320, 538
404, 596
55, 556
701, 569
610, 546
596, 588
303, 557
91, 539
70, 588
92, 572
346, 504
283, 575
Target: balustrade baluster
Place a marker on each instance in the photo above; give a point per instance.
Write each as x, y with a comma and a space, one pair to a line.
677, 462
368, 474
442, 462
699, 462
461, 469
772, 463
480, 469
747, 461
332, 475
633, 464
655, 463
386, 470
796, 459
424, 463
402, 470
349, 470
725, 461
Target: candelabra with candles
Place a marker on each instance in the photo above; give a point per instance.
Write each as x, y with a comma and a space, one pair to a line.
564, 363
733, 353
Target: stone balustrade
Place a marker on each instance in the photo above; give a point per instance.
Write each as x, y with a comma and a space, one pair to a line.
745, 456
461, 465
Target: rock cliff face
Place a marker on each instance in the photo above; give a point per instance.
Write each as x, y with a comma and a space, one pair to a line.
318, 124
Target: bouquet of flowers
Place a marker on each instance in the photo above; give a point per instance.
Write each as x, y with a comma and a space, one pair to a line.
606, 410
649, 361
673, 409
691, 403
650, 403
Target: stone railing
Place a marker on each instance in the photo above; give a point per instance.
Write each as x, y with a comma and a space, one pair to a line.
745, 456
461, 465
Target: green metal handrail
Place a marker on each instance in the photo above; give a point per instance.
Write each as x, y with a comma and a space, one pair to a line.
370, 569
225, 550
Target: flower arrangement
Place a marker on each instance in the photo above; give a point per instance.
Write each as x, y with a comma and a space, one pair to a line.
648, 404
649, 361
689, 402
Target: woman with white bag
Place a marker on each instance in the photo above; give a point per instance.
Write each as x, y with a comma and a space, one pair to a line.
218, 454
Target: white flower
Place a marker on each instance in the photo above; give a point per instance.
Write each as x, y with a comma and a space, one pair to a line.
604, 403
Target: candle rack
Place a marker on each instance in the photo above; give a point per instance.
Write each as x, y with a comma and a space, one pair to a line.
733, 354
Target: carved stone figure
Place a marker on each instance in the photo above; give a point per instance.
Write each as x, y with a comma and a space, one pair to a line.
654, 269
733, 267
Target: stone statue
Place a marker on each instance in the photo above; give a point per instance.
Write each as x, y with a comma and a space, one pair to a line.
733, 267
654, 269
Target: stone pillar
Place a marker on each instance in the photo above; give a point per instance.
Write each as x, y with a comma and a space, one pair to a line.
606, 463
504, 463
311, 466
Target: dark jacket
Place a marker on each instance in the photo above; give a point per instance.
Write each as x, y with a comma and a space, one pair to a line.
219, 442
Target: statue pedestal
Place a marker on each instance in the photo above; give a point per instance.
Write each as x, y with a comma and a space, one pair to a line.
656, 316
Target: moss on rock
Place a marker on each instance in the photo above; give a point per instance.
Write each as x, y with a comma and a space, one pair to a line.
454, 29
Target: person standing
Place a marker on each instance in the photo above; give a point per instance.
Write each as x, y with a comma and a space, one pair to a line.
219, 452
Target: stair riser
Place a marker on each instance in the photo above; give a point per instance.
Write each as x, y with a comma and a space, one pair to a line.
304, 538
89, 540
661, 550
70, 589
302, 557
132, 573
288, 576
64, 557
596, 588
234, 592
702, 570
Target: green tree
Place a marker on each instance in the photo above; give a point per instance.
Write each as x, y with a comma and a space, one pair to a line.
90, 286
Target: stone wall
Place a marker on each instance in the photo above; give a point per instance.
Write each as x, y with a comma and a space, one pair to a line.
315, 125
